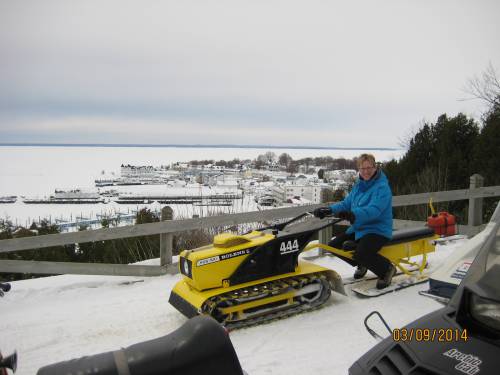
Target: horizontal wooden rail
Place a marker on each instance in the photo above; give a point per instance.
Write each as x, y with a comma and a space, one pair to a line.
52, 268
445, 196
171, 226
176, 226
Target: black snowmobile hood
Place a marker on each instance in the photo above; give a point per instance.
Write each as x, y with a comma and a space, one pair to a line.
443, 352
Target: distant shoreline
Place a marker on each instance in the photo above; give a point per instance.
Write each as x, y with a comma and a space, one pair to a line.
138, 145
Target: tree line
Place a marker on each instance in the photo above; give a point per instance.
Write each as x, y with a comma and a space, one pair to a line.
284, 161
442, 155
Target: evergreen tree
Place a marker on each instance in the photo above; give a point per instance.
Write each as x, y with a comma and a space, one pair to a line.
440, 157
92, 252
454, 140
487, 148
143, 247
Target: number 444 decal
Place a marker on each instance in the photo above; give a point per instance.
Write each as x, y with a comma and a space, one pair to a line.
289, 246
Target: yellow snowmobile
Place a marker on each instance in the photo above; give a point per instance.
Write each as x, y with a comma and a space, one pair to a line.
243, 280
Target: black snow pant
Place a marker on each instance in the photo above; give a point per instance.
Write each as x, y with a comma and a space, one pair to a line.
366, 253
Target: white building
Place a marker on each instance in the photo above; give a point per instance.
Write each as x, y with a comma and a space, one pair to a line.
137, 171
346, 175
311, 193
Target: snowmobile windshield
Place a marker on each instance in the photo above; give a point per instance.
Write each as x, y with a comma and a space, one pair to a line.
486, 311
494, 251
486, 308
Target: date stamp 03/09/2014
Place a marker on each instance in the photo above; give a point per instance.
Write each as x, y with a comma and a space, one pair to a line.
429, 334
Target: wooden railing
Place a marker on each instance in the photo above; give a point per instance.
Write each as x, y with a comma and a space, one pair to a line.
167, 227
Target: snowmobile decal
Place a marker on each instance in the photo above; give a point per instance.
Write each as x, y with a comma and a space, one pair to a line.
218, 258
461, 271
235, 254
468, 364
205, 261
289, 247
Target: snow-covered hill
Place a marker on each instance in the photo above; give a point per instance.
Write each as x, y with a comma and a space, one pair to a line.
58, 318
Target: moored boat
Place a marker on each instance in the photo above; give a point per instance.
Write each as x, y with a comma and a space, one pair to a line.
68, 197
8, 199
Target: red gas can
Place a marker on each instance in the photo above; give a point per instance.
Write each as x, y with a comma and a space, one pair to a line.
443, 223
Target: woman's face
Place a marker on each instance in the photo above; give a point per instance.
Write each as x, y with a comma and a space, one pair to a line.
367, 170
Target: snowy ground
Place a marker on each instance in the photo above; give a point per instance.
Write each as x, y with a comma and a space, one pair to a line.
58, 318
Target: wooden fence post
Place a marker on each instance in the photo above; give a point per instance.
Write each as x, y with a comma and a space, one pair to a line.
166, 239
325, 234
475, 205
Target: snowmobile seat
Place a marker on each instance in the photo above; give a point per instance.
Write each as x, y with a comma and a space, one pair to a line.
410, 234
398, 236
200, 346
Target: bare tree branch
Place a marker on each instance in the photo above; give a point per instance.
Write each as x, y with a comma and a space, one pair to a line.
486, 87
404, 141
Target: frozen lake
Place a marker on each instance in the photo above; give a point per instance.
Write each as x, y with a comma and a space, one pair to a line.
39, 170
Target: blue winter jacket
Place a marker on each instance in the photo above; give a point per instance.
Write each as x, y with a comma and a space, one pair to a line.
371, 203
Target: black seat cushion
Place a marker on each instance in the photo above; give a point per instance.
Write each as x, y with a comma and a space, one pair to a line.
410, 234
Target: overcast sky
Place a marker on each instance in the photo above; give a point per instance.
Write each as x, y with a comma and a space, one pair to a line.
317, 73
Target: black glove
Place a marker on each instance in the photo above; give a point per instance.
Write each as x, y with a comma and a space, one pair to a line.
347, 215
322, 212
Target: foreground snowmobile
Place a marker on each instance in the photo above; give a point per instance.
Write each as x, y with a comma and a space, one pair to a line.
243, 280
200, 346
461, 338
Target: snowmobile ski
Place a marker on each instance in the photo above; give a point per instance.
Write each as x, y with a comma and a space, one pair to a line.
351, 280
450, 239
440, 299
369, 288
